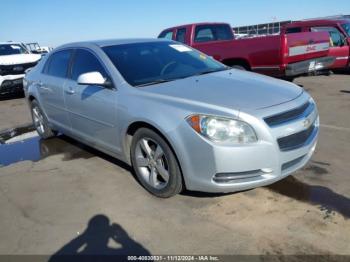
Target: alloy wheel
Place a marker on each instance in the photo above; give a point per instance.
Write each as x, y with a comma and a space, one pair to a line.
38, 120
152, 163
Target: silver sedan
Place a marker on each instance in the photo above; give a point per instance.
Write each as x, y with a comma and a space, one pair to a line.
180, 118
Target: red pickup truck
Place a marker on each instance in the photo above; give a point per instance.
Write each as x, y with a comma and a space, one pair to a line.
339, 33
283, 55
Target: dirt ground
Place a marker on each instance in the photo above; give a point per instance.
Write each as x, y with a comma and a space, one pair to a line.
71, 197
13, 112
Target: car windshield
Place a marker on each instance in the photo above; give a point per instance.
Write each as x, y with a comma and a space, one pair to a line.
155, 62
347, 28
12, 49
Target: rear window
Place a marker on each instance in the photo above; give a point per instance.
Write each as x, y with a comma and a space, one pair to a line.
293, 30
207, 33
58, 64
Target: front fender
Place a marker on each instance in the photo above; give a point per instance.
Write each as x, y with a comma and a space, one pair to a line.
166, 115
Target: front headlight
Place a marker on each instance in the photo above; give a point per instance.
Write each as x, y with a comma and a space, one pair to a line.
222, 129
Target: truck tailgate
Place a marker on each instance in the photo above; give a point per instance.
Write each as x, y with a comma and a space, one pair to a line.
303, 46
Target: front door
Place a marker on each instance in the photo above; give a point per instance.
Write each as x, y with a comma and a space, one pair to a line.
339, 47
91, 108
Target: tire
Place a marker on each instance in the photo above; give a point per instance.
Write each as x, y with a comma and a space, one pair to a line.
40, 121
239, 67
289, 78
155, 164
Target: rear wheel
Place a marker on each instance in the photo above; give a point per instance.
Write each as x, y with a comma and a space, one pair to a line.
155, 164
40, 121
289, 78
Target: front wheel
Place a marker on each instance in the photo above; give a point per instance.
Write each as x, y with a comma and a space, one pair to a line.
40, 121
155, 164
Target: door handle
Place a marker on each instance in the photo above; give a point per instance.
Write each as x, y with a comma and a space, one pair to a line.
70, 91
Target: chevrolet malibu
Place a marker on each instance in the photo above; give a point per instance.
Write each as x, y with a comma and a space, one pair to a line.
178, 117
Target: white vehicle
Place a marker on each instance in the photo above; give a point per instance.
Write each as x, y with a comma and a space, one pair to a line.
44, 49
35, 48
14, 61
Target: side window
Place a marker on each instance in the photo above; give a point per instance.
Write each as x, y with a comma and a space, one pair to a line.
181, 35
207, 33
336, 38
166, 35
57, 64
46, 66
85, 62
293, 30
346, 27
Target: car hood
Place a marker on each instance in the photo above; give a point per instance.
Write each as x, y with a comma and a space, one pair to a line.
232, 89
19, 59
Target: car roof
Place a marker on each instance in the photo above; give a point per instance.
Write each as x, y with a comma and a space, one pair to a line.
196, 24
10, 43
318, 22
111, 42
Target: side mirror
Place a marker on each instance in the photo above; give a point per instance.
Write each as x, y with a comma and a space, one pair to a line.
348, 40
93, 78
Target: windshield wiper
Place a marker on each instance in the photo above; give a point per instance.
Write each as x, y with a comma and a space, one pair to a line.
159, 81
212, 71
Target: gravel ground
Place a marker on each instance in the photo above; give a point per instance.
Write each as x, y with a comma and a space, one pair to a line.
70, 197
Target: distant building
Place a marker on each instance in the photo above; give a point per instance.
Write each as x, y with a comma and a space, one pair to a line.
273, 27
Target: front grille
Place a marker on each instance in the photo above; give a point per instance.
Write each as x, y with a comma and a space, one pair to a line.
15, 69
11, 86
288, 116
296, 140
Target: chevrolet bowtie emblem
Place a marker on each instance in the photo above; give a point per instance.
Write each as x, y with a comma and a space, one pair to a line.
306, 123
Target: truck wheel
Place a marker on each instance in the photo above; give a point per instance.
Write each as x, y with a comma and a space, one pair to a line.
289, 78
40, 121
239, 67
155, 164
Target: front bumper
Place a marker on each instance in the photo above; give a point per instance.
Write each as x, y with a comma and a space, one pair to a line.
309, 66
210, 167
11, 84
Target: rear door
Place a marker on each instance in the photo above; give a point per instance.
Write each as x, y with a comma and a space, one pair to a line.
92, 108
338, 45
53, 79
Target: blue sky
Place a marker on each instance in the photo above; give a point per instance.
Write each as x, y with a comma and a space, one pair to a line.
56, 22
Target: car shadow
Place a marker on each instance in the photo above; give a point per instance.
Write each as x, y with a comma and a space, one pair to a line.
94, 242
